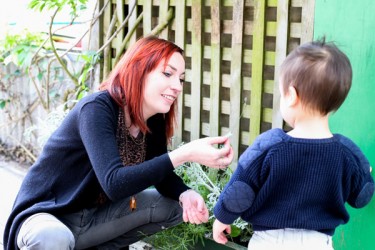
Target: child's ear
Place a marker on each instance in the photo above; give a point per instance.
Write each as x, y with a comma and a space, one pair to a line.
292, 98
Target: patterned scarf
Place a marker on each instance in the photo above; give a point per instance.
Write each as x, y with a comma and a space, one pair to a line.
132, 150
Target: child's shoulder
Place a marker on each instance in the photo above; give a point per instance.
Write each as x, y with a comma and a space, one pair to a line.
270, 137
263, 143
351, 148
345, 141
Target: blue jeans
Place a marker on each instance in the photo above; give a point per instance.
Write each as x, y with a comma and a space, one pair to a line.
110, 226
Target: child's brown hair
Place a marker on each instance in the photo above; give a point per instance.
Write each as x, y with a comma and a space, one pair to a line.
320, 73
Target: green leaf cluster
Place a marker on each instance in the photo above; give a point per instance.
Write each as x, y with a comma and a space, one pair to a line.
181, 237
75, 5
20, 48
209, 182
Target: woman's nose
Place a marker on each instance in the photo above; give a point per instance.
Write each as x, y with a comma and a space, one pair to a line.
177, 85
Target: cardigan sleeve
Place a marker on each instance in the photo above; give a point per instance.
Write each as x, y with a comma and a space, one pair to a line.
97, 128
172, 185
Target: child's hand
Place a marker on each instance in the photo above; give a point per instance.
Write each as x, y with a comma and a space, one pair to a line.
218, 232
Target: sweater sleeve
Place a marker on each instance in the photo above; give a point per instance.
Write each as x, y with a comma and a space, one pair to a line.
362, 183
240, 192
97, 128
235, 199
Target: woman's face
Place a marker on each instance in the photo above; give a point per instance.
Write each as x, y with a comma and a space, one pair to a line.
163, 85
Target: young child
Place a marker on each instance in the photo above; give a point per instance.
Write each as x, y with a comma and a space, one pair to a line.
292, 187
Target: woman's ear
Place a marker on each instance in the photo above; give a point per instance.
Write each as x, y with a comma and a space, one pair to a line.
292, 98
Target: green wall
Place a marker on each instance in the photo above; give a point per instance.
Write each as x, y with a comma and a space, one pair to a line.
351, 24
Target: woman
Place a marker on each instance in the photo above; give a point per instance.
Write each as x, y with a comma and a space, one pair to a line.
90, 185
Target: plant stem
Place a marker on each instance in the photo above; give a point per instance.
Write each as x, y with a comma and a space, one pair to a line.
63, 65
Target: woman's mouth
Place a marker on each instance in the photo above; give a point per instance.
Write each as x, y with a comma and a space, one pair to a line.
169, 97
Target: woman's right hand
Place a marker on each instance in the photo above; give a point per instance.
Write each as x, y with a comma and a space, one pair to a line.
204, 152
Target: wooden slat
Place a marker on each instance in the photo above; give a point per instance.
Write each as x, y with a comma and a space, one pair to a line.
281, 51
297, 3
257, 69
227, 27
196, 60
180, 25
147, 17
295, 30
229, 3
163, 10
235, 71
215, 69
308, 7
107, 62
120, 17
116, 43
107, 17
132, 20
272, 3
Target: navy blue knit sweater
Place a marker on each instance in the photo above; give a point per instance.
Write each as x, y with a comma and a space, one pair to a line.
286, 182
81, 160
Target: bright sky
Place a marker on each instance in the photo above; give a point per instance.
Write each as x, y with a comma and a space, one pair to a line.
14, 13
16, 16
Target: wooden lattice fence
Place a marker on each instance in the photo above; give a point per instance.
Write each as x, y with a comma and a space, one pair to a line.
233, 50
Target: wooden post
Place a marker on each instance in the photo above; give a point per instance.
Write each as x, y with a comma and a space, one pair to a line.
147, 17
180, 24
257, 69
281, 51
196, 60
236, 76
163, 12
215, 74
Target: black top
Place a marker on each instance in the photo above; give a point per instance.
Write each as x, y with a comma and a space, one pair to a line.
81, 159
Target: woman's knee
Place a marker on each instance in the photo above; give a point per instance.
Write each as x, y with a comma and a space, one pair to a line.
168, 211
45, 232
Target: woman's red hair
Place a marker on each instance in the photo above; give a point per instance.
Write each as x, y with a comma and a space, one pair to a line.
126, 82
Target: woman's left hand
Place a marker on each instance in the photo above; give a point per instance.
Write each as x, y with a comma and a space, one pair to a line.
194, 208
204, 152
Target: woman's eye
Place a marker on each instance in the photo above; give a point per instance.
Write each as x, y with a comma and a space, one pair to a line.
182, 81
167, 74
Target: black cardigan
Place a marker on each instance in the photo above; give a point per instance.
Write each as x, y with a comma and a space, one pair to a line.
81, 159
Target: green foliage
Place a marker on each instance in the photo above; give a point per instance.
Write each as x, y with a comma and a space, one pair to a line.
75, 5
3, 103
181, 237
90, 59
20, 48
36, 53
209, 183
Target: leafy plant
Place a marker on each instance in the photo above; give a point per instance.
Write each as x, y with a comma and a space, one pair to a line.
57, 76
20, 48
181, 237
75, 5
209, 183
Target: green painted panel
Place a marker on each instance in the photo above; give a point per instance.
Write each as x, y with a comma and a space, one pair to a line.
351, 25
